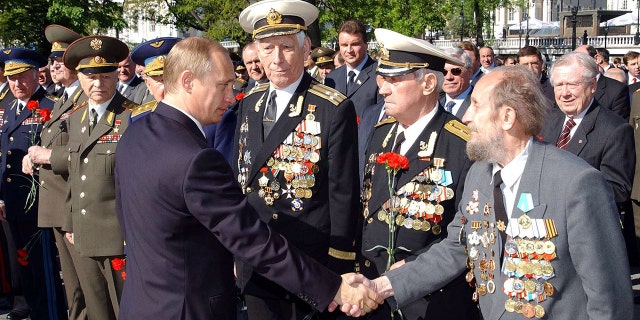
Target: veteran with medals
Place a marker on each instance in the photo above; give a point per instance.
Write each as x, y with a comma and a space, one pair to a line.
426, 194
558, 251
53, 207
89, 158
296, 152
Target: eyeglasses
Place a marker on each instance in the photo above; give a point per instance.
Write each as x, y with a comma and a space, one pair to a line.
454, 71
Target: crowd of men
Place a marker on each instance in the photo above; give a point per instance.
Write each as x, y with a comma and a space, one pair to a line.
266, 175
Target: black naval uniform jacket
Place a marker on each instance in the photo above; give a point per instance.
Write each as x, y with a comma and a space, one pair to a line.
15, 140
416, 191
89, 159
317, 209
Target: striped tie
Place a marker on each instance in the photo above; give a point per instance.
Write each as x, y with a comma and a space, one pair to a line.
565, 136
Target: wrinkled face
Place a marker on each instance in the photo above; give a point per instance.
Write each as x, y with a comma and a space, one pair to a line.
126, 70
352, 48
403, 97
486, 142
211, 96
62, 73
156, 86
283, 59
532, 63
325, 69
44, 77
253, 64
456, 79
634, 67
573, 94
24, 84
99, 87
486, 57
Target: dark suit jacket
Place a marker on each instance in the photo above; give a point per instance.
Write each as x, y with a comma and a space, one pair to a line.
613, 95
453, 301
366, 126
591, 277
605, 141
220, 135
15, 139
324, 226
6, 98
183, 226
366, 92
53, 193
137, 84
463, 106
89, 159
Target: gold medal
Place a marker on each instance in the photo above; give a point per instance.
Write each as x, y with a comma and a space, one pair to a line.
469, 276
539, 311
431, 209
381, 215
549, 247
524, 221
399, 220
436, 229
308, 193
517, 307
528, 310
509, 305
426, 226
270, 161
529, 286
547, 270
482, 289
510, 266
417, 224
491, 286
549, 290
439, 209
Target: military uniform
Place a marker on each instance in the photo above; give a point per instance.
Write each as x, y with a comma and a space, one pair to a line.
427, 195
89, 157
40, 282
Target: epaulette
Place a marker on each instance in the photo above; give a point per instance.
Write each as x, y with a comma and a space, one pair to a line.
385, 121
259, 88
52, 97
79, 106
327, 93
459, 129
151, 105
637, 91
3, 94
128, 104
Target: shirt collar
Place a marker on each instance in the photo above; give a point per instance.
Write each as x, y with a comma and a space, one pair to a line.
100, 108
283, 96
71, 88
512, 172
358, 68
412, 132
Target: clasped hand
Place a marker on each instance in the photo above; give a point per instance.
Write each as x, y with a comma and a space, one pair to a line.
356, 299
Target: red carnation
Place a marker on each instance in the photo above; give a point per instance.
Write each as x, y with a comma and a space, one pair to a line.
45, 114
118, 263
23, 257
239, 96
32, 105
393, 161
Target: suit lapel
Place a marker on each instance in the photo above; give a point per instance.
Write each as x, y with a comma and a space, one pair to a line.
579, 139
341, 79
363, 76
380, 191
10, 113
286, 123
601, 86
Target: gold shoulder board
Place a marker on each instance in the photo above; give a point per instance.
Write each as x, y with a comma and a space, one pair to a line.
3, 94
259, 88
52, 97
458, 128
385, 121
128, 104
330, 94
151, 105
637, 91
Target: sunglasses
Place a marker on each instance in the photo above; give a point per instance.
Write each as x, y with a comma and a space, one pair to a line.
454, 71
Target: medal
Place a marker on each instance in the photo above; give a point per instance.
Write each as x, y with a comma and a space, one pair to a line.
528, 310
524, 221
539, 311
436, 229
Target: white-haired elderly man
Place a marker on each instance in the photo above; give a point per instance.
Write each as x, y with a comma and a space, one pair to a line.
456, 85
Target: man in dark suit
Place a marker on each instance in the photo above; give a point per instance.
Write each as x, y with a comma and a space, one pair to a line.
433, 141
22, 123
610, 94
94, 130
593, 133
195, 215
474, 54
531, 58
357, 78
129, 84
557, 207
296, 151
456, 86
53, 207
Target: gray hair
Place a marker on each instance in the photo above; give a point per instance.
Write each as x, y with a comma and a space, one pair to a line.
460, 55
588, 64
300, 36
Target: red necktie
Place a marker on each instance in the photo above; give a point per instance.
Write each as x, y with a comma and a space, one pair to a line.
565, 136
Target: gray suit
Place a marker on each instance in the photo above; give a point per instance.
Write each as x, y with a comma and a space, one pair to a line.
591, 273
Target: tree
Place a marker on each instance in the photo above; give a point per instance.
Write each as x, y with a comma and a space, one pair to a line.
22, 24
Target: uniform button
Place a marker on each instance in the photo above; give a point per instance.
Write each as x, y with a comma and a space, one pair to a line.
8, 180
8, 166
9, 152
275, 216
370, 220
86, 160
83, 178
81, 194
249, 190
367, 263
10, 138
83, 211
108, 151
42, 183
49, 131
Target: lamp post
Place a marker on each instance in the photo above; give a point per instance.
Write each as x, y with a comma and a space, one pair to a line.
636, 39
526, 36
461, 19
574, 20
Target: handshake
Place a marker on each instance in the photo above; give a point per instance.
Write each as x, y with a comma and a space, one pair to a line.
358, 295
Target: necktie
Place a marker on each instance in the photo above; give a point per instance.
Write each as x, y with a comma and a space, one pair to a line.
65, 96
498, 207
398, 143
270, 113
635, 79
19, 110
449, 106
565, 135
93, 115
351, 83
120, 87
